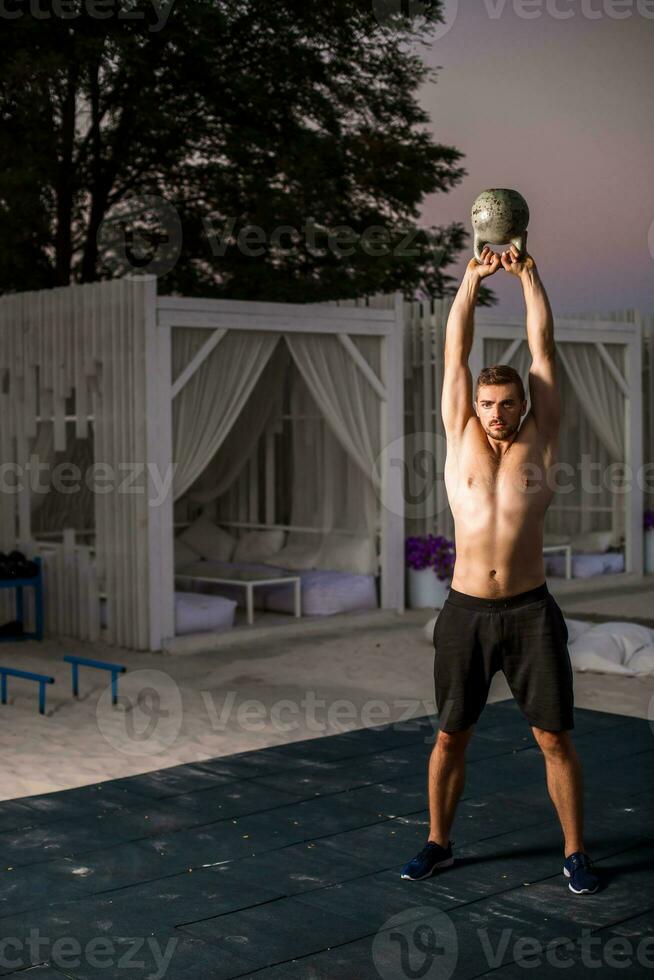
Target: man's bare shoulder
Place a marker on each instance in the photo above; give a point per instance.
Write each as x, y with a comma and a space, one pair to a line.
472, 435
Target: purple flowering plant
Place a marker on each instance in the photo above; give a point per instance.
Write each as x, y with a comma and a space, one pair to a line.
432, 551
648, 520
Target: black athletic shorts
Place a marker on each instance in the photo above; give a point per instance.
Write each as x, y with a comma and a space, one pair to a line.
525, 636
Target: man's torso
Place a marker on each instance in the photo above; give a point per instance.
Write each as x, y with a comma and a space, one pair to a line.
498, 504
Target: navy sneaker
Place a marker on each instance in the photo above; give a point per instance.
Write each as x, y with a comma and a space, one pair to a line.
577, 868
431, 858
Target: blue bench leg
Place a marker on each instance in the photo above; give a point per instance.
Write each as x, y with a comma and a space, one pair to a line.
38, 608
3, 689
41, 698
114, 687
75, 681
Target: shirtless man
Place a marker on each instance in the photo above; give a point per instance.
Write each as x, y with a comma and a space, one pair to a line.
499, 614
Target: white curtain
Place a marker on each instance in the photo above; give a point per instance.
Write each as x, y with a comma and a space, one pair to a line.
598, 393
209, 404
603, 403
242, 440
327, 488
335, 435
343, 395
349, 444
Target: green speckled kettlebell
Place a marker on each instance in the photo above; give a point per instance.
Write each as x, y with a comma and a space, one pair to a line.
500, 216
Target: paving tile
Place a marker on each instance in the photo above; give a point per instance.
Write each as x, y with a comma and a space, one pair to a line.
276, 931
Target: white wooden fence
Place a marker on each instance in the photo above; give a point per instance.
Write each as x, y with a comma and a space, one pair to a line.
81, 350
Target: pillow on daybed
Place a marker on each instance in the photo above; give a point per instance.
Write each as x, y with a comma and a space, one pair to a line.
592, 542
208, 540
299, 555
184, 554
349, 553
551, 538
256, 545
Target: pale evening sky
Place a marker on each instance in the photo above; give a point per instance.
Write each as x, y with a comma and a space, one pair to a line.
563, 111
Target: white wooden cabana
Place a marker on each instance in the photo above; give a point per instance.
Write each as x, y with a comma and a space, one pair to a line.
600, 371
97, 360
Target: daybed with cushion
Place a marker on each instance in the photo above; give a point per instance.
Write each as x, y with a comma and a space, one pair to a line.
337, 571
591, 553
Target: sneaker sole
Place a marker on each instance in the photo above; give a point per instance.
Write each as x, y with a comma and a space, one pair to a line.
579, 891
447, 863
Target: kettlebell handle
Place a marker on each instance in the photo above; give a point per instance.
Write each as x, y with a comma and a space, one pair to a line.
520, 242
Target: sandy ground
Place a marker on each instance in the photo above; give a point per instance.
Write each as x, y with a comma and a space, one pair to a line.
177, 709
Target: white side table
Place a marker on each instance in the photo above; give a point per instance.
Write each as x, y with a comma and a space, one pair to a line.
249, 581
566, 549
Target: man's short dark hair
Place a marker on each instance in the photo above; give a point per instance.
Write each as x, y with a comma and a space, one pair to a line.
500, 374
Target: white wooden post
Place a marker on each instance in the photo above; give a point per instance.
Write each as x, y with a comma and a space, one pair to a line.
392, 467
634, 544
159, 455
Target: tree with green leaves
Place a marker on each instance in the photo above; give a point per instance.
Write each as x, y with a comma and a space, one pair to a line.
235, 148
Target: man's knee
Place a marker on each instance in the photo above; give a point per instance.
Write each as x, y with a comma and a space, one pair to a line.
553, 743
454, 742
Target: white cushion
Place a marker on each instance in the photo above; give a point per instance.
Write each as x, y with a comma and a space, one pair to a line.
604, 645
300, 555
642, 661
592, 542
256, 545
349, 553
628, 636
184, 554
196, 613
613, 648
553, 538
576, 627
589, 659
208, 540
325, 593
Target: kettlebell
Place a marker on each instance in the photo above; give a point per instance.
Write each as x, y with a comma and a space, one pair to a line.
499, 216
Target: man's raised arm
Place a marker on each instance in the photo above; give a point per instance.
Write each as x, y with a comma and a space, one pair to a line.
543, 389
456, 401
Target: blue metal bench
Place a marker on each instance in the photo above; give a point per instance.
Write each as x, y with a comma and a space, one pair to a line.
36, 583
42, 679
77, 662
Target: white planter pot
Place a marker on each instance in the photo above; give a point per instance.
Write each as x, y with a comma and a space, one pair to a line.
426, 591
649, 551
